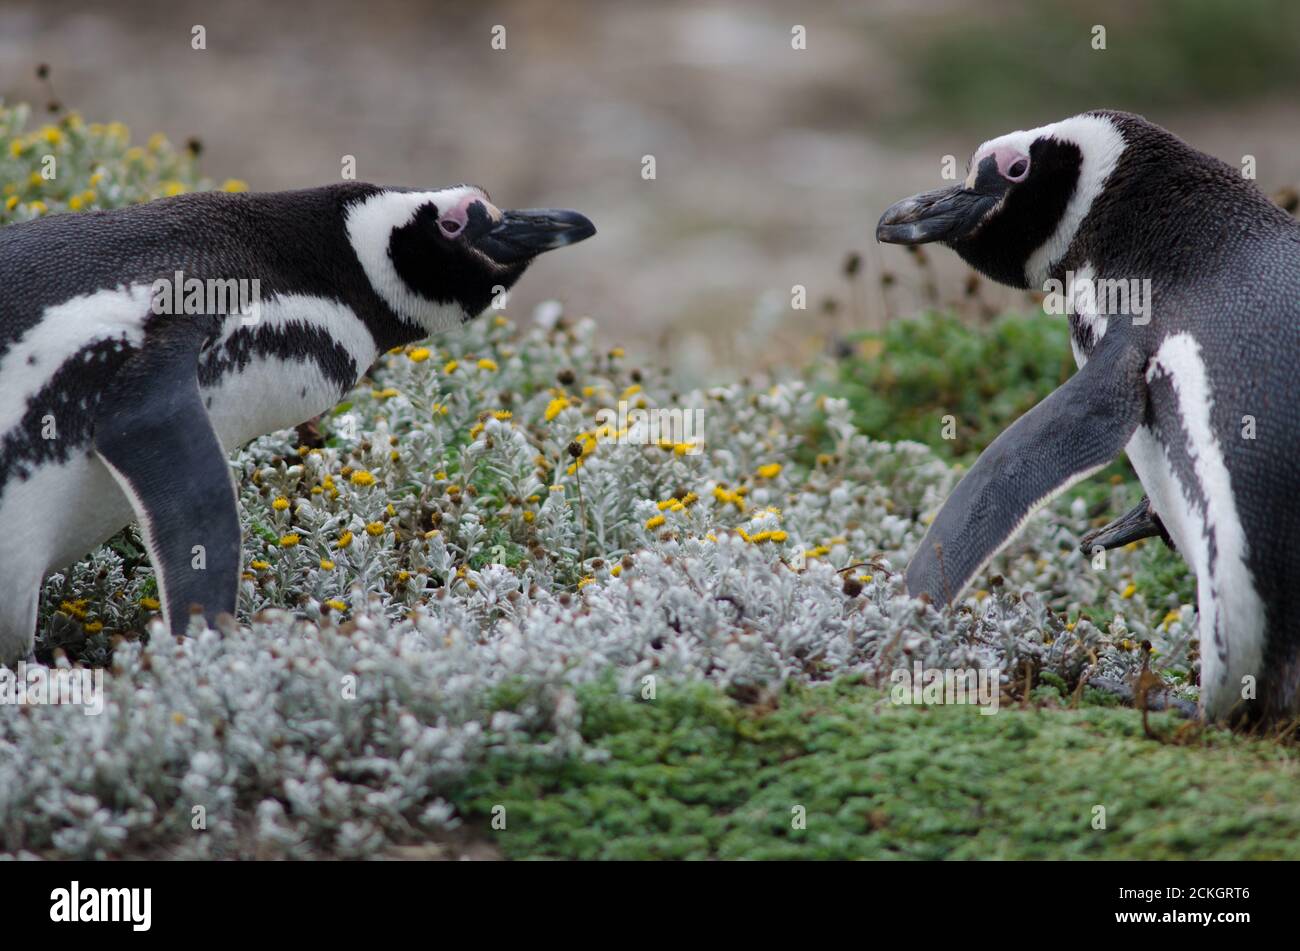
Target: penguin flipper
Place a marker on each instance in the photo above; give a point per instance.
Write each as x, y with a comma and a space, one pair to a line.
1080, 427
1138, 523
155, 436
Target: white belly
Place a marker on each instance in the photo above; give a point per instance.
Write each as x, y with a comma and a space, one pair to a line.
270, 393
266, 396
58, 515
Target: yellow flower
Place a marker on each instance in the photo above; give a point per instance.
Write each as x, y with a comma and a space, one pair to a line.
234, 185
156, 142
387, 393
616, 352
75, 608
632, 390
403, 577
16, 148
555, 407
501, 414
727, 497
93, 627
616, 570
418, 355
336, 604
150, 604
489, 365
280, 504
769, 471
97, 179
173, 188
362, 477
37, 207
529, 516
134, 154
585, 581
450, 366
258, 565
51, 135
345, 540
288, 541
326, 564
654, 521
375, 529
34, 179
1129, 591
11, 203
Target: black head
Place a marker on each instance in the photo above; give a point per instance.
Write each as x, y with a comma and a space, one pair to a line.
439, 258
1021, 203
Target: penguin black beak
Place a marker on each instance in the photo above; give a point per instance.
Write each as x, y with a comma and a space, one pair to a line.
522, 235
945, 214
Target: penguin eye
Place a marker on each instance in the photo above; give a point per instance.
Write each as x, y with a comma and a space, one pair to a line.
1018, 169
450, 227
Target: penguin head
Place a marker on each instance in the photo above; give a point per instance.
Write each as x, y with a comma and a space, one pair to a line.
1023, 200
439, 258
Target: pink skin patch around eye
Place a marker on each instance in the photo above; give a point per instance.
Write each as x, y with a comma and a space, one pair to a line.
1006, 157
453, 221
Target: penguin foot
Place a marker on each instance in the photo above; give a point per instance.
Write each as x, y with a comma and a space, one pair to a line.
1157, 700
1139, 522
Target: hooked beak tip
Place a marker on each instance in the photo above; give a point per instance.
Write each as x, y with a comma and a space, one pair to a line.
941, 215
522, 235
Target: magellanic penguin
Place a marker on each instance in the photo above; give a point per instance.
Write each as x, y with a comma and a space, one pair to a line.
115, 402
1196, 380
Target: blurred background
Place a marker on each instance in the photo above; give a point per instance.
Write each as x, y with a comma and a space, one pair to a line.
772, 163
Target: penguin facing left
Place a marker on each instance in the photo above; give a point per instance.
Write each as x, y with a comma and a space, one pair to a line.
1195, 381
114, 404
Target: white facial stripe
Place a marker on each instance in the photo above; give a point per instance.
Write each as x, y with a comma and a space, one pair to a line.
1100, 142
64, 330
370, 225
1232, 613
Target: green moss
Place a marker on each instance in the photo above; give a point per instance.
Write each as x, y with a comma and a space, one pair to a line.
904, 382
694, 774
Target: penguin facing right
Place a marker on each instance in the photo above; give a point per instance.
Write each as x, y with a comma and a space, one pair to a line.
114, 404
1196, 383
